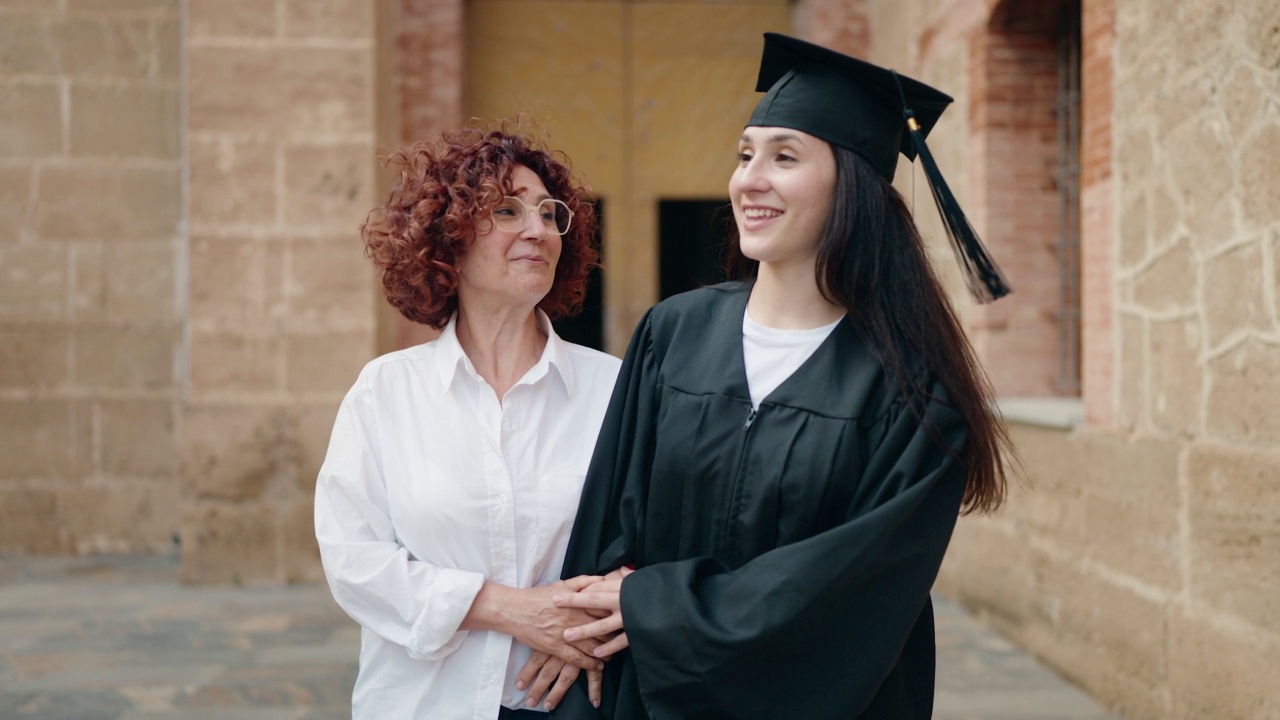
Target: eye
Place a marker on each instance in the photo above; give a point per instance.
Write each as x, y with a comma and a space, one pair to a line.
744, 156
505, 211
784, 157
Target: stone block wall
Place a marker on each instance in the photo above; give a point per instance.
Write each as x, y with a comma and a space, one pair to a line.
281, 129
1139, 556
91, 272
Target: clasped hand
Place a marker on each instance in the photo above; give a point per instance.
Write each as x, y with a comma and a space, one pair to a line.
599, 598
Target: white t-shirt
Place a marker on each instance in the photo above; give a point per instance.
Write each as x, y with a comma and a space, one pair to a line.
429, 488
772, 355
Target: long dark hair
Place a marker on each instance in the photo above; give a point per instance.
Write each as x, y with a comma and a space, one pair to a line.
872, 261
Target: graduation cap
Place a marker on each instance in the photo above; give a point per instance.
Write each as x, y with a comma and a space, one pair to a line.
876, 113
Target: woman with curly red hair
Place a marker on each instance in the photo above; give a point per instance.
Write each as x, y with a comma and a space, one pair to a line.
445, 501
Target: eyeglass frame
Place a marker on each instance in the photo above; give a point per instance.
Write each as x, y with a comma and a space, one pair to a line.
524, 219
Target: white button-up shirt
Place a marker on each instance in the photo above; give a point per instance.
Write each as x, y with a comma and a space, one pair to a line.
429, 488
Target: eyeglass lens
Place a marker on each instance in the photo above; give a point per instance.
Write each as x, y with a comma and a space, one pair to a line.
511, 214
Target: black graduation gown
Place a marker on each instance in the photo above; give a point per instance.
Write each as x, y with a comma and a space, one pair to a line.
785, 556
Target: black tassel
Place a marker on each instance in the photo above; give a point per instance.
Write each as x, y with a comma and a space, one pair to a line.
981, 274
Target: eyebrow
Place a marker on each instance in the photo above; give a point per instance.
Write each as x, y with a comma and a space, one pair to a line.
779, 137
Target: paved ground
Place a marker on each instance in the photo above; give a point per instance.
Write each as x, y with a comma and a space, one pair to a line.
120, 639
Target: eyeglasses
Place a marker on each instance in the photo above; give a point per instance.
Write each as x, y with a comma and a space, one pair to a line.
512, 212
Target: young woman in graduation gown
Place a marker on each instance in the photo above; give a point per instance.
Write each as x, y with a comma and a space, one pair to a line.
784, 457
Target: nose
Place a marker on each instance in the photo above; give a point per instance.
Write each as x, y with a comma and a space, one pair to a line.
533, 229
749, 178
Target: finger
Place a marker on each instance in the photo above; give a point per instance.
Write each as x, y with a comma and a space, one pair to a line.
531, 668
594, 683
612, 647
582, 581
625, 571
562, 685
546, 676
571, 654
589, 599
597, 629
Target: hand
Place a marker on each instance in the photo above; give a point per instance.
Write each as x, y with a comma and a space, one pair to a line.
551, 672
529, 616
605, 596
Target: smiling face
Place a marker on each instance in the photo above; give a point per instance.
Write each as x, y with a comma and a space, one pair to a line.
781, 194
511, 267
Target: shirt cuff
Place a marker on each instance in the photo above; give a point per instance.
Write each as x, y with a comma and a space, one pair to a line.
435, 635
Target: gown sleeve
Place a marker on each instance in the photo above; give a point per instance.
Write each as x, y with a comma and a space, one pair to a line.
609, 512
372, 576
814, 628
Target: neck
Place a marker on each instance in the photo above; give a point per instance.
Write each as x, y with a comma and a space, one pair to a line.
787, 298
502, 345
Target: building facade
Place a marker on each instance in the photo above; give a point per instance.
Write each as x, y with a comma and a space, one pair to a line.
183, 300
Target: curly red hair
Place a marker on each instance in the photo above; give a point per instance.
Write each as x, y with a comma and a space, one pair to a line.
429, 220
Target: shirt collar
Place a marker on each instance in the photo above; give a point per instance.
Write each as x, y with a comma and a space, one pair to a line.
451, 359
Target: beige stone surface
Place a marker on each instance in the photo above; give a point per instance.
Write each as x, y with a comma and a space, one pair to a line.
226, 362
300, 554
328, 19
121, 518
1168, 285
87, 293
124, 120
229, 544
1217, 672
1243, 386
34, 357
146, 7
330, 283
277, 91
1176, 375
1234, 525
24, 520
120, 358
140, 283
33, 282
108, 202
318, 363
327, 187
106, 46
1261, 203
45, 438
232, 183
26, 46
138, 439
1132, 506
1132, 360
232, 452
30, 120
1235, 293
314, 423
1052, 501
231, 19
15, 200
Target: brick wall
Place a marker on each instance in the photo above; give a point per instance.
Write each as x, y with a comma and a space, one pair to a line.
281, 131
1013, 131
90, 275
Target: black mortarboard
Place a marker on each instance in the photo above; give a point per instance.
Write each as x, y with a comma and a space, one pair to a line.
874, 112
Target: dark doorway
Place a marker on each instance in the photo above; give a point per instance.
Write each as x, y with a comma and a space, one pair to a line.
587, 327
693, 236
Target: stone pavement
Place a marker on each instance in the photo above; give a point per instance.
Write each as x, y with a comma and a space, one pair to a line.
118, 638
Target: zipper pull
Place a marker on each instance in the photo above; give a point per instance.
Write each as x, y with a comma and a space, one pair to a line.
751, 417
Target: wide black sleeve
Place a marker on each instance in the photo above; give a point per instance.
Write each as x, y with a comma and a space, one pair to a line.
615, 489
812, 629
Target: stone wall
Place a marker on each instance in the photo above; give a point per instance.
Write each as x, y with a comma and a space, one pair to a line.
91, 267
281, 127
1139, 557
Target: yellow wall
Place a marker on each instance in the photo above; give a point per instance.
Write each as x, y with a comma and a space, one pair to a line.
647, 99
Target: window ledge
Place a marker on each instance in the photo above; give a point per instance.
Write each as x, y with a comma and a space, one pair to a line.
1050, 412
